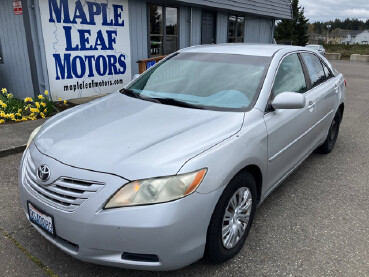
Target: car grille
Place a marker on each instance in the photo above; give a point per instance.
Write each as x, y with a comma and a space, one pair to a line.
65, 193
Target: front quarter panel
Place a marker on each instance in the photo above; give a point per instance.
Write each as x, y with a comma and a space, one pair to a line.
226, 159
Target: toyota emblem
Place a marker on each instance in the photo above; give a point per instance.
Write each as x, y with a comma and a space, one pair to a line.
43, 173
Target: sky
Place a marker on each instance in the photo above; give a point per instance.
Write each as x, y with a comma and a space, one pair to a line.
324, 10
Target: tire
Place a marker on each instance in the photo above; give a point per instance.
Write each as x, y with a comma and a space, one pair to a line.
215, 250
331, 139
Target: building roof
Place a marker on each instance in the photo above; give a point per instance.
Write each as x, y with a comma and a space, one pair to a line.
354, 32
338, 32
342, 33
278, 9
315, 35
262, 50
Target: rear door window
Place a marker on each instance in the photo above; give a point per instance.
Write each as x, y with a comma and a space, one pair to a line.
314, 68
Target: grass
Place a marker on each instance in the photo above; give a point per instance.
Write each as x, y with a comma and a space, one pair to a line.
347, 50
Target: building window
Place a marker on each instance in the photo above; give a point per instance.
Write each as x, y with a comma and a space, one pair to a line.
236, 28
163, 30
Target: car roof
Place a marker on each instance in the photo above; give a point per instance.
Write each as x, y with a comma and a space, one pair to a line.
262, 50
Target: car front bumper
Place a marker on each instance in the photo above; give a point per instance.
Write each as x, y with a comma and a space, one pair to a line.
175, 232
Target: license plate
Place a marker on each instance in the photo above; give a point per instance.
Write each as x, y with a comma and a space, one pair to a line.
41, 219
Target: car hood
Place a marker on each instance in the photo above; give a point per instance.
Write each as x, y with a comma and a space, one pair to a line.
133, 138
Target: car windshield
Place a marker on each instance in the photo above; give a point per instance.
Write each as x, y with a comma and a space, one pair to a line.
315, 47
202, 80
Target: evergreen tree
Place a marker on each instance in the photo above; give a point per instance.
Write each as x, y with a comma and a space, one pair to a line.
293, 31
347, 24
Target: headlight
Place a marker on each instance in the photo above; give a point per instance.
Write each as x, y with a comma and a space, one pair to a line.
33, 134
156, 190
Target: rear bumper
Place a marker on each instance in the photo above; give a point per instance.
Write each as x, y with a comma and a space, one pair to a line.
175, 232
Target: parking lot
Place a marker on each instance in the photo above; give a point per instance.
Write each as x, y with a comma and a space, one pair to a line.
315, 224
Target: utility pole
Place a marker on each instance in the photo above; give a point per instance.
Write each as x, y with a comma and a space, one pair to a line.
328, 27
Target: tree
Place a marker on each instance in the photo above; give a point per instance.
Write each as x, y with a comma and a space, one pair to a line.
293, 31
347, 24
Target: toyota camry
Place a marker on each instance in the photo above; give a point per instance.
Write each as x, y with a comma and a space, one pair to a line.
172, 167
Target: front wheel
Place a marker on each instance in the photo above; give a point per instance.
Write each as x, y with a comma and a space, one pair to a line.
232, 219
331, 139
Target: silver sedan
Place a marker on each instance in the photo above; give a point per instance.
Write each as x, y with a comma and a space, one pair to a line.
173, 166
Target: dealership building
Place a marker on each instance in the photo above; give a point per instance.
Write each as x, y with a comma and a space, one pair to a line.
78, 48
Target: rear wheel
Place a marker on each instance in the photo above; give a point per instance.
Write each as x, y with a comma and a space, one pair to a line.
232, 219
331, 139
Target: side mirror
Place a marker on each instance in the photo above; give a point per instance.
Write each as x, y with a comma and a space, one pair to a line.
289, 100
136, 76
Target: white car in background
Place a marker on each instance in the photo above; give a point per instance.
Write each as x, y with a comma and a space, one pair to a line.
317, 47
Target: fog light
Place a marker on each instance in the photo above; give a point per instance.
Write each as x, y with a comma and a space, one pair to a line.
148, 258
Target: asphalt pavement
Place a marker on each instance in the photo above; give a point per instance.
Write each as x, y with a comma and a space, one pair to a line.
14, 137
314, 224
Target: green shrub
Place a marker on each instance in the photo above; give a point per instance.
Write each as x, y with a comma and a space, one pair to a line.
14, 109
347, 50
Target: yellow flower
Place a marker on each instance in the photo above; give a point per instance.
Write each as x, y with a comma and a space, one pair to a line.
42, 115
20, 110
31, 115
9, 96
59, 99
24, 119
45, 111
46, 92
2, 121
37, 105
43, 104
4, 105
4, 90
41, 97
2, 114
65, 102
18, 114
28, 99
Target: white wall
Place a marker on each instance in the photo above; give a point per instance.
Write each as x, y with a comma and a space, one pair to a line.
15, 72
362, 37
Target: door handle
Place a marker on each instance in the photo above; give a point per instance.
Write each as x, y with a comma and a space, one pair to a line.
336, 88
311, 105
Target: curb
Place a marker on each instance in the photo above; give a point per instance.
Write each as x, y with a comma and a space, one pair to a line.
12, 151
359, 58
333, 56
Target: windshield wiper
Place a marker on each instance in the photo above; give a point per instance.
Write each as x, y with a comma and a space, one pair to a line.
175, 102
166, 101
131, 93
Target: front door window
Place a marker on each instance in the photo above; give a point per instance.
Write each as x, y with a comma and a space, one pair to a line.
163, 30
236, 28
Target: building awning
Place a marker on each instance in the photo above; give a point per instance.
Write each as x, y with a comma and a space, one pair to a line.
278, 9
